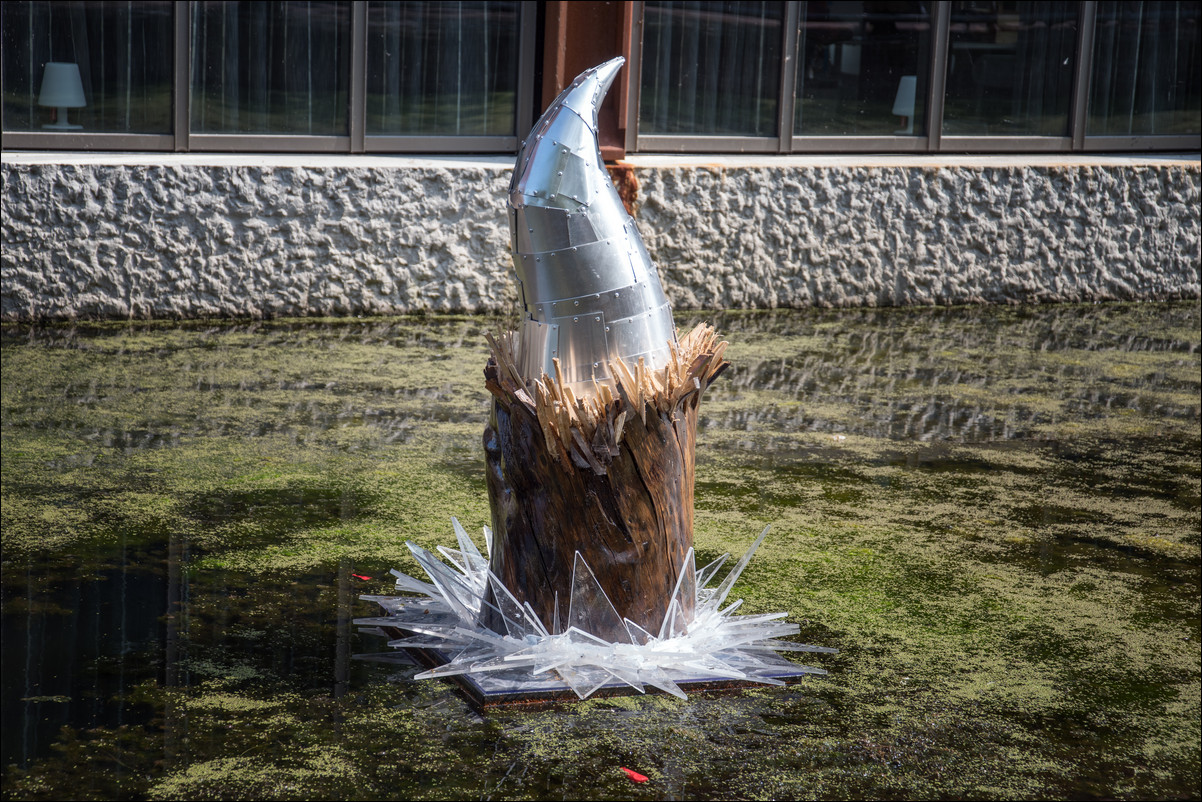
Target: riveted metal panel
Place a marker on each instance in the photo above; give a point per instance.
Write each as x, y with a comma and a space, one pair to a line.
577, 254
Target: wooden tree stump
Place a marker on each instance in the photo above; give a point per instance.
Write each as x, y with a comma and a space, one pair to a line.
610, 477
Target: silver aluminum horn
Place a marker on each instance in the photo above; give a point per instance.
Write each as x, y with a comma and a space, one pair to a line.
588, 289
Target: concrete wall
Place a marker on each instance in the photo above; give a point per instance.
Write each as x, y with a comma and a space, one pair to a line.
117, 236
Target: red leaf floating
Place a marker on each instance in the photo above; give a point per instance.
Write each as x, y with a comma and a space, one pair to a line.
634, 775
360, 576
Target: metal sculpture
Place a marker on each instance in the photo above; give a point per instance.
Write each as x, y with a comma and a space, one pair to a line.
590, 569
588, 289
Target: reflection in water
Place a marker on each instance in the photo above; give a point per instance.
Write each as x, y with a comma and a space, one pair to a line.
189, 512
964, 374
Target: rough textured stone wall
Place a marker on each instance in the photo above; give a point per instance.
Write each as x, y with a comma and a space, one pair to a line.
876, 236
116, 241
113, 239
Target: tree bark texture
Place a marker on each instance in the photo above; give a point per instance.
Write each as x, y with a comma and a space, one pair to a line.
610, 477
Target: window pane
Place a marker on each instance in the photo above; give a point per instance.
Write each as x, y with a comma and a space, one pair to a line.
1010, 68
270, 67
1147, 72
442, 68
117, 66
710, 68
862, 68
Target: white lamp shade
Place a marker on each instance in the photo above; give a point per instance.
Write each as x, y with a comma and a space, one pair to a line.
61, 86
903, 104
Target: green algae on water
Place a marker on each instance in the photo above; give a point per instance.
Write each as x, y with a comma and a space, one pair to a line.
994, 514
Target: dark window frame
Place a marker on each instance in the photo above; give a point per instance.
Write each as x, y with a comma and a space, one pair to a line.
933, 141
357, 142
354, 142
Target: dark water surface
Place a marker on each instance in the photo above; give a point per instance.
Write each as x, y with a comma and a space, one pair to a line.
994, 514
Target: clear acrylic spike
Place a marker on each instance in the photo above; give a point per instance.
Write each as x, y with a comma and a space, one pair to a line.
626, 674
582, 637
512, 612
534, 621
585, 680
406, 582
465, 543
590, 609
657, 678
716, 643
684, 597
454, 589
640, 636
707, 573
455, 558
724, 589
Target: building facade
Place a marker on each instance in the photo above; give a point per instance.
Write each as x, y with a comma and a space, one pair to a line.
350, 157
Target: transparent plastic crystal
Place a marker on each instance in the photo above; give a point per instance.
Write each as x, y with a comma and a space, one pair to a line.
406, 582
590, 609
684, 597
638, 635
728, 583
712, 643
454, 588
465, 543
707, 573
512, 612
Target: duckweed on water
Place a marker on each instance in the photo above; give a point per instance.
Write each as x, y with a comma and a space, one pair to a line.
994, 513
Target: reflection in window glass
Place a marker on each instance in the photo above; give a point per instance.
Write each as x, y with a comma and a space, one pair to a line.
270, 67
1147, 71
117, 74
862, 69
710, 68
442, 68
1010, 68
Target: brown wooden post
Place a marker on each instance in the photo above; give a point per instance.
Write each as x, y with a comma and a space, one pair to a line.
579, 35
610, 477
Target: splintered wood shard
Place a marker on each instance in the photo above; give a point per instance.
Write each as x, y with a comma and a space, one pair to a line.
696, 360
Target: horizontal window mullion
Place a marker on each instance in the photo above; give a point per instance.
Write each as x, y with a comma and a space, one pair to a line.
1166, 142
713, 144
26, 140
266, 143
1005, 144
440, 144
860, 144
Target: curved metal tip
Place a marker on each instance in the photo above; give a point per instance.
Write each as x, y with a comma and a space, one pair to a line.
604, 74
585, 94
